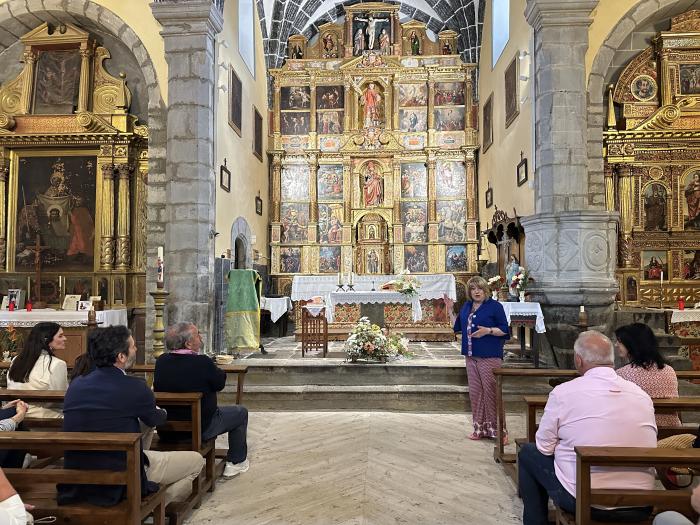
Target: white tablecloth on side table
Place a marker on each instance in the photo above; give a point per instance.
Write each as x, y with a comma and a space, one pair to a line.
372, 298
685, 316
277, 306
66, 318
526, 309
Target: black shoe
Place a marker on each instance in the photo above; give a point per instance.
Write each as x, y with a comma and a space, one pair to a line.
262, 350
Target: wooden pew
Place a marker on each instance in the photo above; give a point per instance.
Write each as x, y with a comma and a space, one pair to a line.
587, 457
502, 373
38, 485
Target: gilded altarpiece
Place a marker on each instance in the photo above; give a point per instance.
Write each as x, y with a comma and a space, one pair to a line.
73, 174
373, 156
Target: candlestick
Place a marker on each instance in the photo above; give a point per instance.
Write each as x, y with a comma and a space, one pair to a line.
350, 282
340, 278
160, 281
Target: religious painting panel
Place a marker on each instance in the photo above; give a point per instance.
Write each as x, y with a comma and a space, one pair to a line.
413, 120
449, 119
329, 122
295, 122
329, 45
330, 182
295, 219
295, 97
79, 285
654, 264
643, 88
330, 97
416, 258
451, 179
691, 265
329, 259
55, 203
290, 260
371, 31
295, 182
414, 215
413, 142
119, 290
449, 94
456, 259
631, 289
413, 95
690, 79
330, 223
235, 102
451, 216
691, 199
655, 209
371, 106
512, 105
57, 82
373, 261
103, 289
487, 124
372, 182
414, 180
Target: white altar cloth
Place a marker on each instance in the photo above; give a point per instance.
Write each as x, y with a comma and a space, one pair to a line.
383, 297
66, 318
526, 309
684, 316
433, 286
277, 306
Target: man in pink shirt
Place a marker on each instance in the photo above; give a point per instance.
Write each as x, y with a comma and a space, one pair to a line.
597, 409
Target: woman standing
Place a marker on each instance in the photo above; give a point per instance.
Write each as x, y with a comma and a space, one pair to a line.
484, 328
647, 368
37, 368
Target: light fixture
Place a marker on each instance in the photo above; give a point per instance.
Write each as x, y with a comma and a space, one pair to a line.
224, 43
523, 54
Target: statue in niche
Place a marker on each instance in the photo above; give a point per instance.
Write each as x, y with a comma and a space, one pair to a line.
384, 43
631, 289
371, 29
359, 42
372, 262
446, 48
415, 44
373, 186
371, 102
692, 197
512, 268
655, 208
330, 48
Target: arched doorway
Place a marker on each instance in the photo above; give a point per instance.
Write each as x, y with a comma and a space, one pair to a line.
239, 247
241, 244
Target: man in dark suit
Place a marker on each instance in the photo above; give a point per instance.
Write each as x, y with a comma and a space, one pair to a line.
108, 400
184, 369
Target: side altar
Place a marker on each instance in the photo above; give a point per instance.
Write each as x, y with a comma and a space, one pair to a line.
424, 318
373, 154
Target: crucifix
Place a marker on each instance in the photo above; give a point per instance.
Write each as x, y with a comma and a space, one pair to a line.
37, 302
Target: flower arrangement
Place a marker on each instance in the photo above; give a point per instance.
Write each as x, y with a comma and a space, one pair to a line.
11, 340
404, 283
520, 280
495, 282
369, 341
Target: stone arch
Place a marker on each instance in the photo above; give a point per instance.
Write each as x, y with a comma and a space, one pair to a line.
640, 15
18, 17
242, 236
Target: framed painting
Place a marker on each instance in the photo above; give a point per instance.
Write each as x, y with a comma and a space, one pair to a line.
258, 205
521, 172
643, 88
371, 31
290, 260
415, 258
414, 180
235, 102
451, 216
329, 259
413, 95
224, 177
295, 97
330, 223
53, 201
119, 290
456, 259
330, 182
512, 103
295, 221
414, 216
691, 265
489, 197
57, 81
295, 122
449, 94
295, 182
329, 122
487, 124
690, 184
655, 264
655, 207
330, 97
450, 178
449, 119
78, 285
257, 134
690, 79
413, 120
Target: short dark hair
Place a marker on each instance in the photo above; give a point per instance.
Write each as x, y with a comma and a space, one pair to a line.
641, 344
105, 344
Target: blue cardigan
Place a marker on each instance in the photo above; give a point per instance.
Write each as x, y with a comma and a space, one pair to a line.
491, 315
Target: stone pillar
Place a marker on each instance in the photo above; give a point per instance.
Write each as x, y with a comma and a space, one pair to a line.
107, 223
570, 248
123, 218
189, 28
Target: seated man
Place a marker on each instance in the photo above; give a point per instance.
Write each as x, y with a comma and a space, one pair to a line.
184, 369
597, 409
108, 400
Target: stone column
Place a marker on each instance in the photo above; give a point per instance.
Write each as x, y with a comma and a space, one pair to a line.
123, 217
28, 70
189, 28
107, 223
570, 249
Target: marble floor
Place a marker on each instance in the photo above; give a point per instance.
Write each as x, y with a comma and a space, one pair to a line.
369, 468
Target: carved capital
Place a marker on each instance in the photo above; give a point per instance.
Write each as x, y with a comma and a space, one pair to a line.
29, 57
108, 171
124, 170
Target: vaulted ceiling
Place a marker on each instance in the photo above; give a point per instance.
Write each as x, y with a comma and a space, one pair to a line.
279, 19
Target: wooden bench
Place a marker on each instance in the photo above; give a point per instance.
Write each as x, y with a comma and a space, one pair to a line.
37, 486
661, 500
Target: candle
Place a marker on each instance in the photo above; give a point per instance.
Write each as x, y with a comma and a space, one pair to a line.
340, 278
582, 310
160, 265
350, 277
662, 277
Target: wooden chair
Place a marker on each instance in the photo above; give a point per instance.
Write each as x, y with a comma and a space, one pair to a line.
38, 485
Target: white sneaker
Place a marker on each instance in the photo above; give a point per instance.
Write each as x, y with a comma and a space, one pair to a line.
234, 469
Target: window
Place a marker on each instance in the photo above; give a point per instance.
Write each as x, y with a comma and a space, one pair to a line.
500, 28
246, 34
257, 134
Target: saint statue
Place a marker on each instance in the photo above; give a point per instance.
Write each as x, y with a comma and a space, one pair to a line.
415, 44
512, 269
359, 42
692, 197
372, 188
655, 210
371, 102
384, 42
372, 262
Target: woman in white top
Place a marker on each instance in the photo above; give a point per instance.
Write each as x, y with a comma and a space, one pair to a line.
37, 368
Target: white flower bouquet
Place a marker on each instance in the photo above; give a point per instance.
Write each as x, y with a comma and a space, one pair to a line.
404, 283
368, 341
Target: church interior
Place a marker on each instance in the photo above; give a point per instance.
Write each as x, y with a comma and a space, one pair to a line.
324, 188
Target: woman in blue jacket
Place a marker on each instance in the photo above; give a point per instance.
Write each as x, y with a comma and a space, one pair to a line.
484, 328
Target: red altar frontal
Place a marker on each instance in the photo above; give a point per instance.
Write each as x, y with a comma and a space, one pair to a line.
424, 318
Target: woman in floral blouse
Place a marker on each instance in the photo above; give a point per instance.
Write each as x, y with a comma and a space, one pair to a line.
647, 368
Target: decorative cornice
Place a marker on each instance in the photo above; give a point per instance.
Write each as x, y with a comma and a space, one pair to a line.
558, 13
185, 17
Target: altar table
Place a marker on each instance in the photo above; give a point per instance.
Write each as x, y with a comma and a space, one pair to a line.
74, 324
377, 297
522, 316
